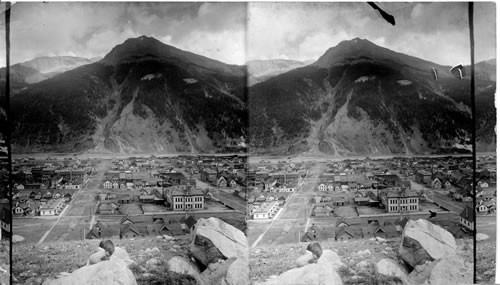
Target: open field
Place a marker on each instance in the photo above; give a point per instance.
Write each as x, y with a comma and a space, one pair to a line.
32, 229
69, 228
284, 231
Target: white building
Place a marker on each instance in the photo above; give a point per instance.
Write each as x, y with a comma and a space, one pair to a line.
266, 210
52, 208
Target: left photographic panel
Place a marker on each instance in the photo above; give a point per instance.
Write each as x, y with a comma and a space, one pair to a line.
5, 166
129, 143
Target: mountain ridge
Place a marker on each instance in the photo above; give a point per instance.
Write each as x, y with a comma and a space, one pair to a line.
359, 98
153, 102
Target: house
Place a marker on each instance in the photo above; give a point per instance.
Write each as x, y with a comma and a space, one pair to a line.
467, 218
131, 231
339, 201
423, 177
208, 175
436, 183
18, 210
458, 232
322, 211
269, 183
107, 207
101, 230
265, 210
344, 233
52, 208
222, 182
107, 184
322, 187
387, 231
482, 209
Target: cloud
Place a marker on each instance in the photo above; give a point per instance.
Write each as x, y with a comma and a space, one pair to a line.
93, 29
431, 31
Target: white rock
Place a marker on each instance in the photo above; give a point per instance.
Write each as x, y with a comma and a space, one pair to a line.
390, 267
423, 241
111, 272
364, 252
481, 236
167, 237
183, 266
17, 238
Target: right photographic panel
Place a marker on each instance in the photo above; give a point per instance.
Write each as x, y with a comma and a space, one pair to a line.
372, 143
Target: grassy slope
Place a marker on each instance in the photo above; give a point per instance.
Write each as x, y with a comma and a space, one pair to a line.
268, 261
485, 262
32, 264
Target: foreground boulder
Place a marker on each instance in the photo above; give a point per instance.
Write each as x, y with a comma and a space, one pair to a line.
449, 270
321, 273
182, 265
111, 272
119, 253
223, 249
213, 239
390, 267
423, 241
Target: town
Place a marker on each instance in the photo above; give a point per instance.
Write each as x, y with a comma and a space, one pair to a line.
365, 198
57, 199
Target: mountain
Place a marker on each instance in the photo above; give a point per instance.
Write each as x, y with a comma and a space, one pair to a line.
485, 70
359, 98
41, 68
142, 97
261, 70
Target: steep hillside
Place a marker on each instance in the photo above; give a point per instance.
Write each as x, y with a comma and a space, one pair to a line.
34, 265
359, 98
144, 96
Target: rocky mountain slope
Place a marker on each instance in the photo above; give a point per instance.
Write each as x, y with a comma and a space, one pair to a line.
360, 98
261, 70
143, 96
39, 69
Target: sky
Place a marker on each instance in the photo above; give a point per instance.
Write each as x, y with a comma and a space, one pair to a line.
215, 30
433, 31
235, 33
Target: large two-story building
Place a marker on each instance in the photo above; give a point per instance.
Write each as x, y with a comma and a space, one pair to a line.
186, 197
398, 199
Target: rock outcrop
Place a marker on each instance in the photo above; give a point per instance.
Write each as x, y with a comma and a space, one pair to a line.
111, 272
323, 272
431, 251
183, 266
390, 267
213, 239
221, 252
119, 253
423, 241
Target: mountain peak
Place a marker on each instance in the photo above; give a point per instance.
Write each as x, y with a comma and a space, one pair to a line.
363, 49
145, 47
134, 48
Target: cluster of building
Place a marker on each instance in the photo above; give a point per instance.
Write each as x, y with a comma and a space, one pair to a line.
44, 187
486, 199
170, 182
140, 226
270, 186
360, 228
